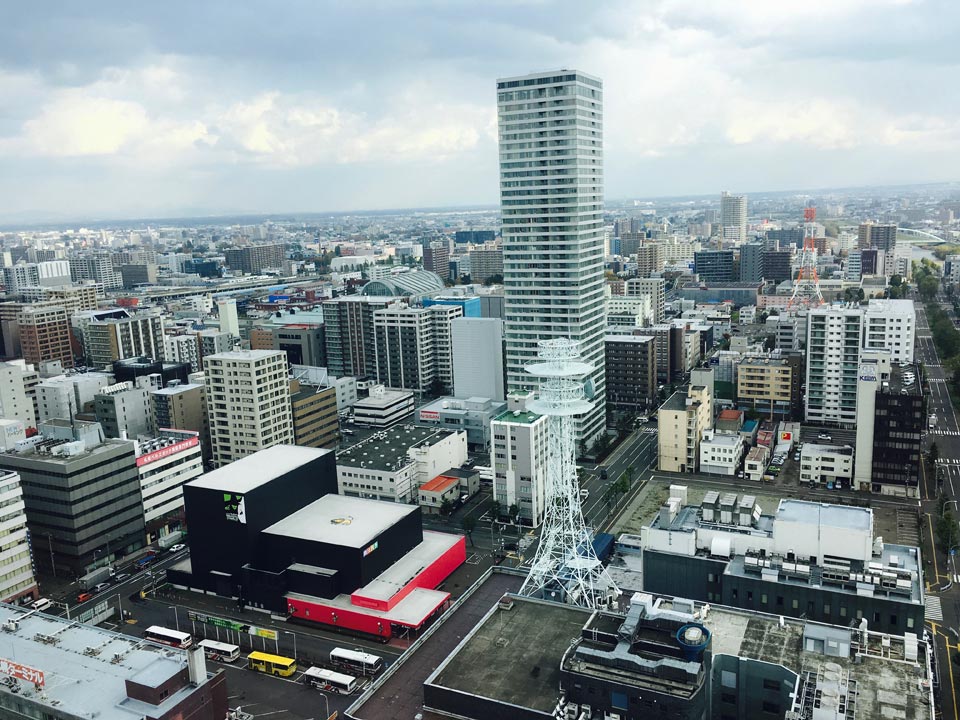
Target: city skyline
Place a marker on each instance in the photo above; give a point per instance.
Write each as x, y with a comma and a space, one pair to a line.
150, 117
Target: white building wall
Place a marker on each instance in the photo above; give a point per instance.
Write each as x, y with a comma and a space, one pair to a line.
16, 564
518, 457
478, 358
161, 482
14, 403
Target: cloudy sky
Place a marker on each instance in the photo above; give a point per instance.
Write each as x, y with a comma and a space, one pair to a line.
124, 109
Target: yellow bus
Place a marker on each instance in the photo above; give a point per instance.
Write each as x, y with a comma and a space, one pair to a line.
271, 664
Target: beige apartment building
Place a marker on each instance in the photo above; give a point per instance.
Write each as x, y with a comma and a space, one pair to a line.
248, 402
682, 421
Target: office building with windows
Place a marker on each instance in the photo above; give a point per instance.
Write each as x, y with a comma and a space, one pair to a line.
551, 190
518, 459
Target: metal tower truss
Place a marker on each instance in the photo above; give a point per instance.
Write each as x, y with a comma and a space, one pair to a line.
566, 567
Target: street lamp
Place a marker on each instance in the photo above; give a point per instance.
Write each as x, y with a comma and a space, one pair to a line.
176, 616
326, 704
294, 635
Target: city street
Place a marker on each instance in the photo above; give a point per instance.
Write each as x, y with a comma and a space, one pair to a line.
943, 590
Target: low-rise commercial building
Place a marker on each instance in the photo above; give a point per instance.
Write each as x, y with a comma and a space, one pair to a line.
165, 464
439, 494
58, 669
472, 415
814, 560
720, 453
826, 465
667, 658
383, 408
756, 463
392, 465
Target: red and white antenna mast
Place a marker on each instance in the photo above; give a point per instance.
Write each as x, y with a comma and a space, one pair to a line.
806, 287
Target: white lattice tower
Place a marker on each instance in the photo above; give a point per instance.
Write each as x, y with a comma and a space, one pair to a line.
565, 567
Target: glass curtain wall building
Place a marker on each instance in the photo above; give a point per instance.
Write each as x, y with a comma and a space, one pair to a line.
551, 196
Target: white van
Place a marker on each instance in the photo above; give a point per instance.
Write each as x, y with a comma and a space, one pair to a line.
41, 604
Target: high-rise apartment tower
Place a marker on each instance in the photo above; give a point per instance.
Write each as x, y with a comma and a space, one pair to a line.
551, 192
733, 217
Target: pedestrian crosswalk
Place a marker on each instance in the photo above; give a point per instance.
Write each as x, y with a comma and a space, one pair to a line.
948, 461
943, 432
932, 610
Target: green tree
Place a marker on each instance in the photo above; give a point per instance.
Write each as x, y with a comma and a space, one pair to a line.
928, 287
625, 424
933, 454
948, 534
495, 509
628, 473
446, 507
514, 512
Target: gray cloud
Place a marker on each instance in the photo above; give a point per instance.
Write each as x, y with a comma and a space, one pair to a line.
117, 108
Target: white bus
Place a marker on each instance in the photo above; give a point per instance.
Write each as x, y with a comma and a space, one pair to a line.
360, 662
223, 652
166, 636
324, 679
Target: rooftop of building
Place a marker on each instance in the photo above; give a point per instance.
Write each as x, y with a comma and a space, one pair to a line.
440, 483
252, 471
514, 655
81, 670
454, 405
904, 379
730, 415
386, 451
176, 389
677, 401
341, 520
246, 355
886, 687
823, 449
520, 417
415, 282
383, 398
625, 338
721, 439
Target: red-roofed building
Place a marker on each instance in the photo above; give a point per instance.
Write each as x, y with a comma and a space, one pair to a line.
433, 492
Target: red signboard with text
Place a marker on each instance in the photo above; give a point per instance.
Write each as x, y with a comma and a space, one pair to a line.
22, 672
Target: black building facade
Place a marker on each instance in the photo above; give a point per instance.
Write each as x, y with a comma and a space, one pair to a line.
898, 432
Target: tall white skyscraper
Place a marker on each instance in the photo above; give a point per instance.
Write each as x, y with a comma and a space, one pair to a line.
733, 217
551, 197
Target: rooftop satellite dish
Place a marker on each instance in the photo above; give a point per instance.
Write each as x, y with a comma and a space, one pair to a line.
589, 389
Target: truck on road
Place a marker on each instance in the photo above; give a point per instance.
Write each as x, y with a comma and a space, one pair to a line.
96, 577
